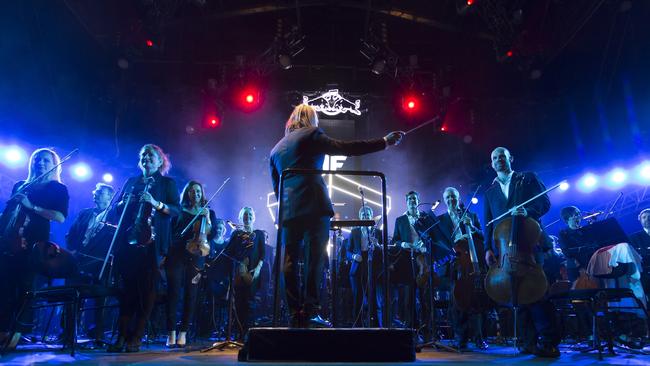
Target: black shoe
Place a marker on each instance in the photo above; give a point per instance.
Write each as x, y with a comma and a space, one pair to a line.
116, 347
319, 322
460, 345
480, 344
548, 352
528, 350
132, 348
297, 320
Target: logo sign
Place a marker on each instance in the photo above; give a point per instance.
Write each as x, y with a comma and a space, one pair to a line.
332, 103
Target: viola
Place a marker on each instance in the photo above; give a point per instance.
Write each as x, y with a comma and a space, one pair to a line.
141, 232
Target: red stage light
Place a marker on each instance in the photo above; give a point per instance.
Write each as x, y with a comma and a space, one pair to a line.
149, 43
214, 121
443, 129
509, 53
470, 2
250, 98
410, 104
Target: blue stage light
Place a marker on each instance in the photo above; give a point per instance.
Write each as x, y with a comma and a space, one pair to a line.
107, 178
474, 200
616, 177
588, 182
564, 186
644, 172
81, 172
13, 156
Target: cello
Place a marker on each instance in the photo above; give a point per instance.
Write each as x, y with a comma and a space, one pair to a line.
516, 278
468, 291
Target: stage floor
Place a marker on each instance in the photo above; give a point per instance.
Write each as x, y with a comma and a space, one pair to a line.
159, 355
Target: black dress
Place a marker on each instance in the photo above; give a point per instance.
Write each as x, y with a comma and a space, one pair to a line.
17, 266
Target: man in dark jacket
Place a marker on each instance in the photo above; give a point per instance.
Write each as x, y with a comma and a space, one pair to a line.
306, 205
508, 190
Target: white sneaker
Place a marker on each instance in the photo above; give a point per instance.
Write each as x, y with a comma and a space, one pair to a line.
171, 339
181, 341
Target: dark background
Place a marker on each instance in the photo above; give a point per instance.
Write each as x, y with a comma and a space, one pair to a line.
572, 98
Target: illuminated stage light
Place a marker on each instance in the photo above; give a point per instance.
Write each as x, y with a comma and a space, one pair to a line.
410, 104
509, 53
107, 178
214, 121
149, 43
474, 200
588, 183
470, 2
250, 98
14, 156
644, 172
81, 172
617, 177
564, 186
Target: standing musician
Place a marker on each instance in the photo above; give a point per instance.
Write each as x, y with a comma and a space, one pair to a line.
89, 247
25, 222
148, 203
306, 205
361, 241
466, 322
537, 319
186, 259
247, 246
409, 249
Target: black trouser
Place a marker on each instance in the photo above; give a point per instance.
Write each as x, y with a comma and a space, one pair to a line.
181, 267
467, 324
138, 277
538, 323
313, 234
359, 284
243, 307
16, 279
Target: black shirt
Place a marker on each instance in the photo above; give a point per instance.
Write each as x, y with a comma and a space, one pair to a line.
52, 196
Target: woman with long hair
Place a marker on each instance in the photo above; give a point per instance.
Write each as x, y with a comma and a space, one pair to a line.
183, 266
44, 200
150, 200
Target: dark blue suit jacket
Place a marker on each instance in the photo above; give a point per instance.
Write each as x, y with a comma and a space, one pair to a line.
305, 148
496, 203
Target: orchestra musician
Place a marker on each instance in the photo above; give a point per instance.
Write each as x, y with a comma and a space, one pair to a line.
537, 320
640, 240
148, 202
84, 241
466, 323
306, 205
361, 241
184, 262
247, 247
25, 222
409, 246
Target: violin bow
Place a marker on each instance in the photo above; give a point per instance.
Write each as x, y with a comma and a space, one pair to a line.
204, 206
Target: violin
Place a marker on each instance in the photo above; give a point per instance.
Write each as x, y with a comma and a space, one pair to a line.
13, 221
516, 278
199, 245
468, 291
245, 274
141, 232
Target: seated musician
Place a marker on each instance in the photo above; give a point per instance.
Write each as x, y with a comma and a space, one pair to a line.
359, 245
89, 247
466, 323
572, 244
641, 242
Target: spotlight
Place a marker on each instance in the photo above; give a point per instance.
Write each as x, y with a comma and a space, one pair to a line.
410, 103
474, 200
13, 156
588, 182
149, 43
617, 177
81, 172
564, 186
378, 66
214, 121
644, 172
285, 61
249, 98
107, 178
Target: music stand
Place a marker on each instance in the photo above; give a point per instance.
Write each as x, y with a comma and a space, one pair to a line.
592, 237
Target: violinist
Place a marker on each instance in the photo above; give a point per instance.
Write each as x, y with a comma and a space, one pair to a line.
361, 241
466, 322
570, 240
537, 320
247, 248
184, 262
89, 247
148, 203
26, 221
408, 245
